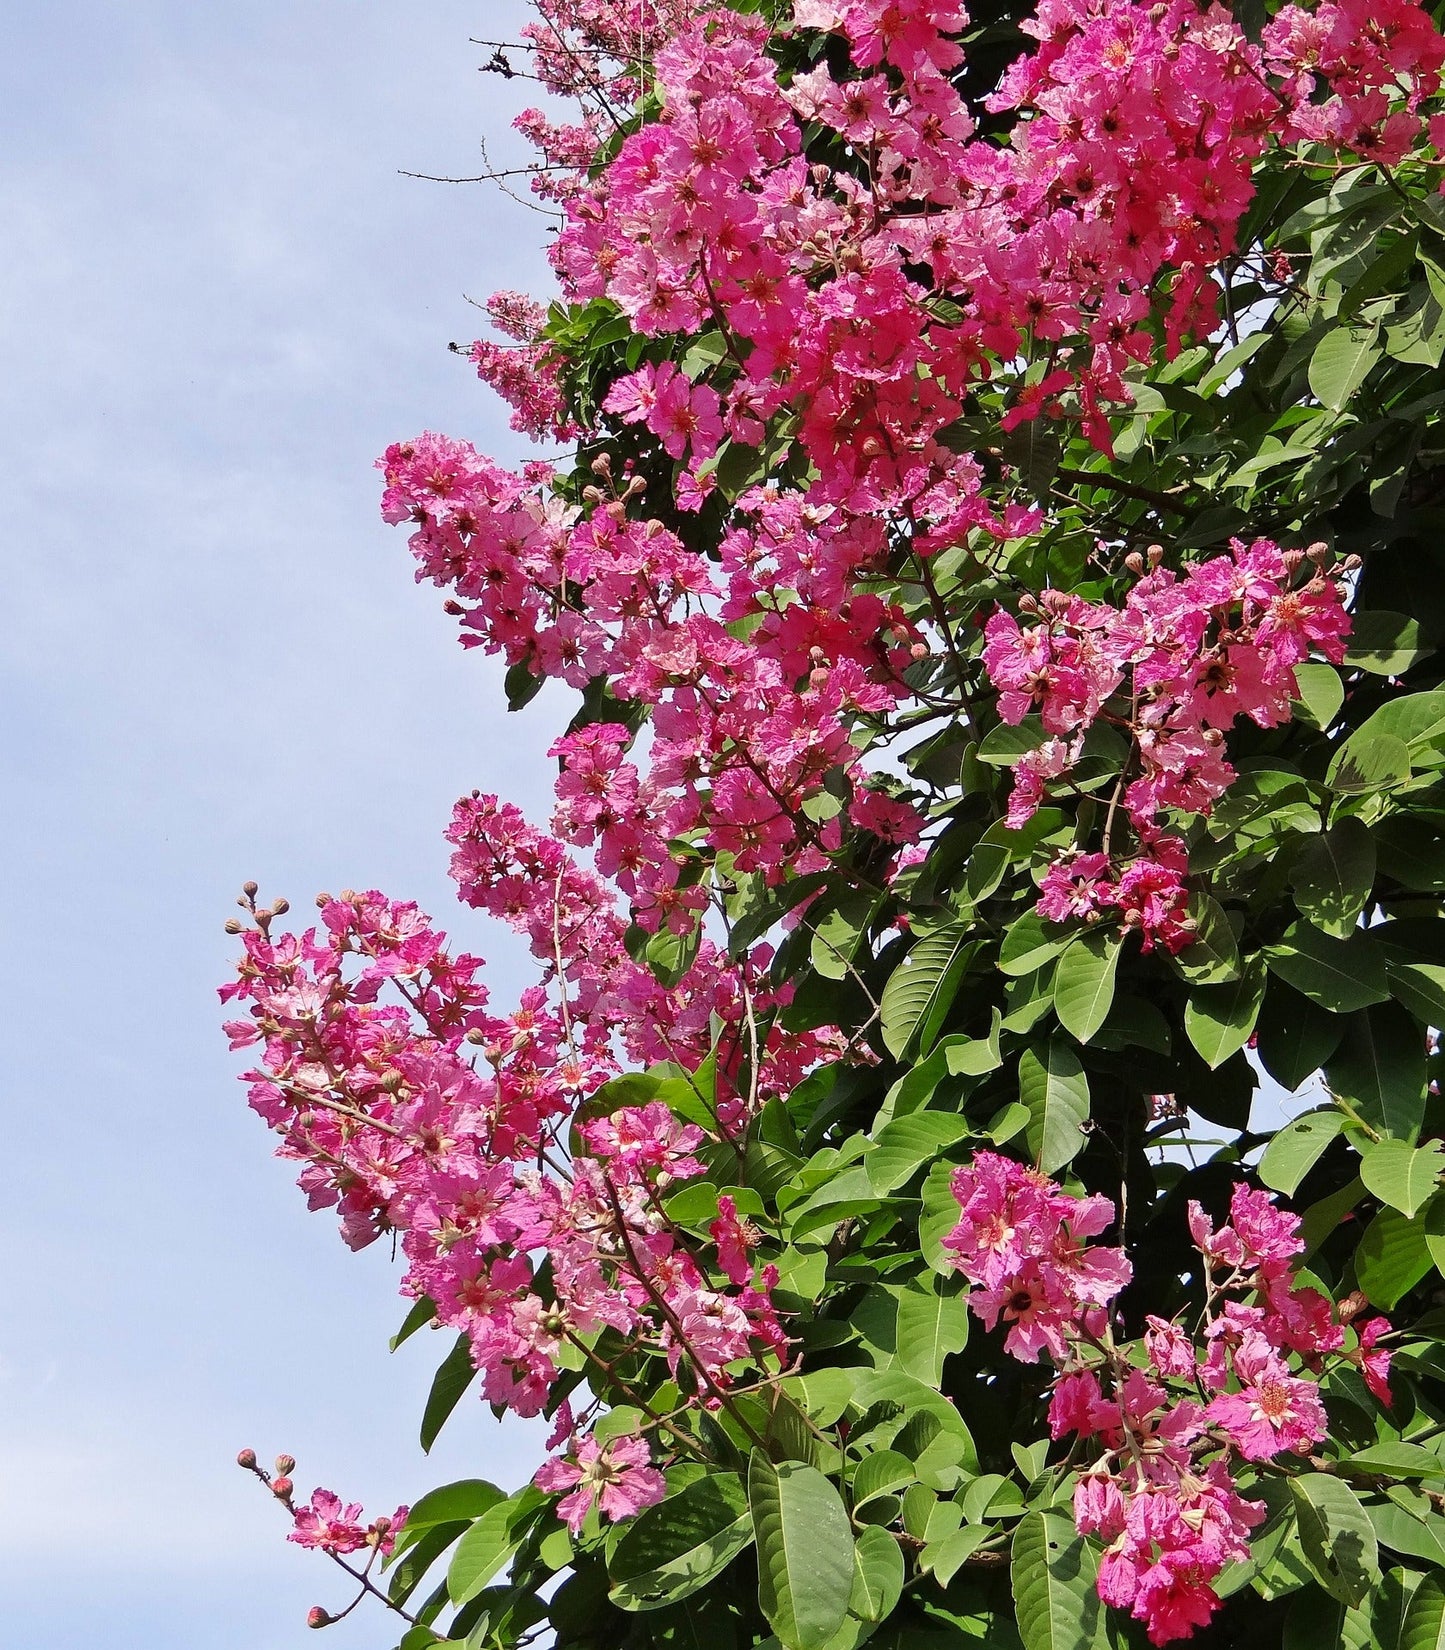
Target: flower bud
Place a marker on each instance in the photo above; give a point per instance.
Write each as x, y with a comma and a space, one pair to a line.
1351, 1306
317, 1617
246, 1458
281, 1488
250, 889
233, 926
280, 907
285, 1464
1135, 563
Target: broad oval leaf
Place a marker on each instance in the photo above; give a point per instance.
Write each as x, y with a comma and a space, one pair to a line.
1334, 874
1341, 362
1053, 1573
1392, 1258
676, 1547
1337, 1538
1084, 983
1424, 1624
877, 1575
1381, 1068
1056, 1091
490, 1542
1404, 1176
907, 1143
1297, 1147
454, 1375
1220, 1019
932, 1323
805, 1551
920, 989
1340, 975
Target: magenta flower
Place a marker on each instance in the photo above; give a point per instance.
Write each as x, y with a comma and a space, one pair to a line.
616, 1475
1274, 1411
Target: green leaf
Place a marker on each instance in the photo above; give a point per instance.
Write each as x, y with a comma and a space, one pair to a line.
1084, 983
1297, 1147
946, 1557
1397, 1460
1420, 987
932, 1322
1031, 942
1319, 693
1056, 1092
1366, 766
455, 1375
1212, 958
836, 934
920, 990
938, 1217
1321, 1219
421, 1314
1403, 1532
1404, 1176
1002, 746
1220, 1019
880, 1474
1318, 1622
877, 1575
1435, 1233
1334, 874
1416, 718
1385, 644
1053, 1571
1392, 1258
490, 1542
1424, 1624
907, 1143
675, 1548
1380, 1067
469, 1498
1341, 362
1340, 975
805, 1551
1337, 1538
1296, 1036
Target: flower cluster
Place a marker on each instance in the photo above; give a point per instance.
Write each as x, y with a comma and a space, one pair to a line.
1023, 1243
524, 371
1160, 1495
1183, 659
383, 1102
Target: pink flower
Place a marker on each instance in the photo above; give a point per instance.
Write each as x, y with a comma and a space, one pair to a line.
1374, 1359
333, 1528
616, 1474
1274, 1411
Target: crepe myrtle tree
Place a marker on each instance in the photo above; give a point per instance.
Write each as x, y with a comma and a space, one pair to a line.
967, 1168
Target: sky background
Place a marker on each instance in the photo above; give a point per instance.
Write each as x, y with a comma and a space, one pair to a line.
218, 303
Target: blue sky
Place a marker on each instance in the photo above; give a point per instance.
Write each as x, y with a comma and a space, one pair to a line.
218, 302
